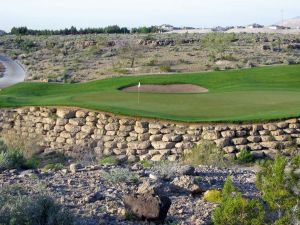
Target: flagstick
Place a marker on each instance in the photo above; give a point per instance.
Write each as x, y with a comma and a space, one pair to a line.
138, 94
139, 86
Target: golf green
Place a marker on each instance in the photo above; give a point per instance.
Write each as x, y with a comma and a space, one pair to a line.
256, 94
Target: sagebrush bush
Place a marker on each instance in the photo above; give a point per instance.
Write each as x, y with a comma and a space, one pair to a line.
119, 175
165, 169
17, 207
206, 153
28, 146
236, 210
14, 158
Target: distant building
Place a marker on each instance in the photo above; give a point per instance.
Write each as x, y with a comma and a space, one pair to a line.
277, 27
167, 28
255, 25
188, 28
222, 29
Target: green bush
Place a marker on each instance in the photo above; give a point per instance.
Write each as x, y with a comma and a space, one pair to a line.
236, 210
279, 184
165, 68
214, 196
17, 207
245, 156
53, 166
108, 160
146, 163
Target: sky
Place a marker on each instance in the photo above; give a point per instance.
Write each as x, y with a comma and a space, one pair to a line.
58, 14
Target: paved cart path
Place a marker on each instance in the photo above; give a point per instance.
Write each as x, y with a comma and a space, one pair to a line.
14, 72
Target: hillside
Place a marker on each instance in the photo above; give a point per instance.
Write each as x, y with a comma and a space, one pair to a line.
293, 23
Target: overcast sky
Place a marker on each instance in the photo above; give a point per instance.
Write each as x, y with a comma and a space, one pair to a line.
56, 14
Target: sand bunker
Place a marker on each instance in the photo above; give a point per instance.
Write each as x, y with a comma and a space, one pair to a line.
170, 88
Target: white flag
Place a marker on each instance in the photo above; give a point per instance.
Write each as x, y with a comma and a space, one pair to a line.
139, 84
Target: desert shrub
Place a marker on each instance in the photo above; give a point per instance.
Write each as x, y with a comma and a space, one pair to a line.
217, 41
183, 61
206, 153
14, 158
121, 71
278, 182
120, 175
53, 166
236, 210
216, 68
165, 169
17, 207
152, 62
214, 196
244, 157
108, 160
28, 146
228, 57
165, 68
146, 163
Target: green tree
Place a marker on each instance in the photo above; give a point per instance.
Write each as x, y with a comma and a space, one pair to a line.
278, 183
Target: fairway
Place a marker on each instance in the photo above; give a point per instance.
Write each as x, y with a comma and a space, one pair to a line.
256, 94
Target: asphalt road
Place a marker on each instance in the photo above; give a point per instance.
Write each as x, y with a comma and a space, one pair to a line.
14, 72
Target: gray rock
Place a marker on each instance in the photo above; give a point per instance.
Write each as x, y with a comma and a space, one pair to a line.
74, 167
188, 184
186, 170
94, 197
147, 207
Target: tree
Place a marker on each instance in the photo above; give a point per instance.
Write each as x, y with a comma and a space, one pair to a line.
279, 188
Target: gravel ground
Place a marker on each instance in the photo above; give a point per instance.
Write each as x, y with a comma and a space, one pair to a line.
96, 199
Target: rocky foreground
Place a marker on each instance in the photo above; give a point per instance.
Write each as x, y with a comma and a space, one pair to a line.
95, 193
2, 70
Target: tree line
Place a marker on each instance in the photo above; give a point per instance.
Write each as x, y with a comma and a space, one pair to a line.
115, 29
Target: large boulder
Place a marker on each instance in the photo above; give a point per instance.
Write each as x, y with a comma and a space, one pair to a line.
147, 206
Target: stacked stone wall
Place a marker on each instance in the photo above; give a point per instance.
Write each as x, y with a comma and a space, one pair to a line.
75, 130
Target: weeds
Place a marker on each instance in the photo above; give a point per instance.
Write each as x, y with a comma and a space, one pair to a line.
17, 207
206, 153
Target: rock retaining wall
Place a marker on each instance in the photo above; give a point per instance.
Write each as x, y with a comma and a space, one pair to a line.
73, 131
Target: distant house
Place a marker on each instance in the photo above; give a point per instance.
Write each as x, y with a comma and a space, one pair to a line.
188, 28
167, 28
222, 29
255, 25
277, 27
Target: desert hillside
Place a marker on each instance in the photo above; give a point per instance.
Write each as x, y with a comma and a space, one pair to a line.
293, 23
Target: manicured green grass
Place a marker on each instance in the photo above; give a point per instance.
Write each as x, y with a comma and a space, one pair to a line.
239, 95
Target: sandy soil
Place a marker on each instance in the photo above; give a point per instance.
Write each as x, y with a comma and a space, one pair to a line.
171, 88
